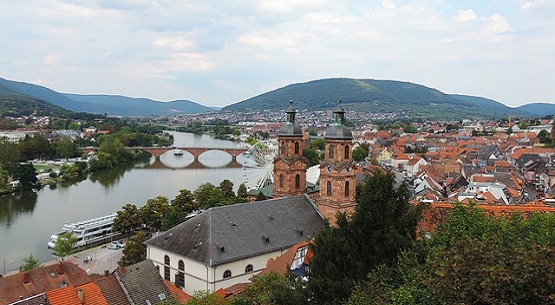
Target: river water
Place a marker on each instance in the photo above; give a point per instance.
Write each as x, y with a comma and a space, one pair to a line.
28, 219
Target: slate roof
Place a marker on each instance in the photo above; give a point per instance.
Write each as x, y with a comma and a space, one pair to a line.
142, 282
228, 233
41, 280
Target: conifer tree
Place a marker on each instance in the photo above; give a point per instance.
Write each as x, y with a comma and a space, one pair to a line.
382, 225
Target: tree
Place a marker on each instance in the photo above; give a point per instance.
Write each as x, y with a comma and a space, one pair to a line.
110, 145
260, 196
29, 263
359, 154
227, 188
127, 219
242, 191
312, 156
9, 154
382, 225
65, 244
274, 289
135, 250
25, 173
472, 258
65, 147
185, 201
152, 213
74, 126
208, 195
174, 217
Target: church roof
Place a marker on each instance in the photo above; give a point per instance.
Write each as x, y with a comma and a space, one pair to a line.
228, 233
290, 130
337, 131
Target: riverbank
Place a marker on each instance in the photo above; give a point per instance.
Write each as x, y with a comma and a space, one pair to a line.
95, 260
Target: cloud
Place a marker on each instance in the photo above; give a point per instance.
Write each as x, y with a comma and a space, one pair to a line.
465, 16
496, 29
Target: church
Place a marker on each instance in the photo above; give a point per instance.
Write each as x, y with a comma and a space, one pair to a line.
227, 245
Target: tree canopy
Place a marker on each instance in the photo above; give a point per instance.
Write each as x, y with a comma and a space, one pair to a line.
472, 258
382, 225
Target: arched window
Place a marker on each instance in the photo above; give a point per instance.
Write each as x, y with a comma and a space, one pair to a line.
227, 274
282, 148
347, 190
328, 188
347, 150
331, 152
280, 180
249, 268
166, 267
297, 181
296, 148
180, 278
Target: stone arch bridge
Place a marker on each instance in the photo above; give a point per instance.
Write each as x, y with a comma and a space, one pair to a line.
194, 151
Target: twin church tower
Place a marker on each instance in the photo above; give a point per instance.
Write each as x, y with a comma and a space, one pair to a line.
337, 175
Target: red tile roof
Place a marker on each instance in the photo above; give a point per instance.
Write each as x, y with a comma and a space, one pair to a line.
63, 296
92, 295
180, 295
39, 280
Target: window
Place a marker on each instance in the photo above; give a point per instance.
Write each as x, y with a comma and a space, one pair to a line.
347, 191
249, 268
347, 150
331, 152
227, 274
280, 180
296, 148
282, 148
180, 277
166, 267
328, 188
297, 181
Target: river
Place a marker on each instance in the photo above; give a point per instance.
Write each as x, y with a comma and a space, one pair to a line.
28, 219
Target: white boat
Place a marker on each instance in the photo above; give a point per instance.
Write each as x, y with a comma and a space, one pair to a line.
178, 152
87, 232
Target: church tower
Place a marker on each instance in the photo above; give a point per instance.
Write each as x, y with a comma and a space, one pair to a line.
290, 165
337, 175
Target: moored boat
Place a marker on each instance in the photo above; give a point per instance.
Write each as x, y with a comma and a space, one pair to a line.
178, 152
87, 232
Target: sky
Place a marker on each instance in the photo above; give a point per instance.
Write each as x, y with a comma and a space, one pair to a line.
218, 53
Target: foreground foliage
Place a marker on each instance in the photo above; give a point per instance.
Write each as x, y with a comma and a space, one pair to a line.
382, 225
472, 259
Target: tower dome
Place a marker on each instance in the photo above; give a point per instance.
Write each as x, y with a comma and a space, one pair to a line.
338, 130
290, 129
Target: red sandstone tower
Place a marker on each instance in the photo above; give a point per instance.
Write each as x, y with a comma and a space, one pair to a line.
337, 176
290, 165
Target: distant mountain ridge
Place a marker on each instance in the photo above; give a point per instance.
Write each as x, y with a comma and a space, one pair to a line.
109, 104
379, 96
365, 95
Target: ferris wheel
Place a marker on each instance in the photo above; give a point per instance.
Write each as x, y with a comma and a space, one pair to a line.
258, 164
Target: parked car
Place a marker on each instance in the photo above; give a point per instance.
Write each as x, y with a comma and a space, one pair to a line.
116, 245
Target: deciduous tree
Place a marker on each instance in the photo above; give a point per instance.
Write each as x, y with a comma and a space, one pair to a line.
64, 244
135, 250
127, 219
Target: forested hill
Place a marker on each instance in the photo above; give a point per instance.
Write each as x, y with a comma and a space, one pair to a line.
377, 96
15, 104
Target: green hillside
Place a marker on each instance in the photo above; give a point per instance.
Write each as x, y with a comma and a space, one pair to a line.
15, 104
369, 95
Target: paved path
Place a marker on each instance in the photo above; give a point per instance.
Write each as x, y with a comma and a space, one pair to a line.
102, 259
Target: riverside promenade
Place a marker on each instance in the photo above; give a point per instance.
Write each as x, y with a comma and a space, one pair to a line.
101, 260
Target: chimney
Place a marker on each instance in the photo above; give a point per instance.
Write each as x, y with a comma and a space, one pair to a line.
106, 273
26, 277
81, 295
60, 268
